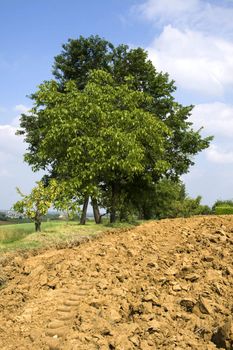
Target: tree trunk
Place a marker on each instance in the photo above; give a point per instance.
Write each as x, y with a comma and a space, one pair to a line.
38, 226
113, 203
140, 214
123, 216
96, 211
38, 221
146, 213
84, 211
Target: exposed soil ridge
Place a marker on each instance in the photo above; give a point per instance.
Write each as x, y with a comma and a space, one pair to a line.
162, 285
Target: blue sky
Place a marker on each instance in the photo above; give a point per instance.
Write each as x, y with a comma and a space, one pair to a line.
192, 40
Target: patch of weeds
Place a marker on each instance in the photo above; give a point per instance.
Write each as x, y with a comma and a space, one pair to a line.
122, 224
20, 245
13, 238
2, 283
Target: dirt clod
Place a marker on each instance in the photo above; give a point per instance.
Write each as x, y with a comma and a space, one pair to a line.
163, 285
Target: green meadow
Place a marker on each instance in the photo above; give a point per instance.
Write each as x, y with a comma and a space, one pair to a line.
53, 234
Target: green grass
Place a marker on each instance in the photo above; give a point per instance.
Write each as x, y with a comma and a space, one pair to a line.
54, 233
15, 232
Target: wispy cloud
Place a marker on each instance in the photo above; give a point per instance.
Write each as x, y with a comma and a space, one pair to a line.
10, 144
216, 118
200, 15
13, 171
218, 155
166, 10
21, 108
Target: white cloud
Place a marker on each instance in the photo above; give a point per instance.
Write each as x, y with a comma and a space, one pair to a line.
12, 148
166, 10
10, 144
201, 15
196, 61
13, 171
216, 118
193, 42
21, 108
217, 155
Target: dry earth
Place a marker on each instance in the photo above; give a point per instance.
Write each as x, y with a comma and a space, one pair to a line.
162, 285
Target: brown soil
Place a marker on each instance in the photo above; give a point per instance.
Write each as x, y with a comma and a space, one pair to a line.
162, 285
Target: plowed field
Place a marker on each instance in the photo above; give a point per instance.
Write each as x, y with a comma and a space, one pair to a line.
161, 285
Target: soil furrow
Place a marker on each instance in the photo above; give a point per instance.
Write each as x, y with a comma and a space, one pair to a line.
162, 285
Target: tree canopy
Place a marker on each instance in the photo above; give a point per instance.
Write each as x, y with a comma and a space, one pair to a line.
109, 123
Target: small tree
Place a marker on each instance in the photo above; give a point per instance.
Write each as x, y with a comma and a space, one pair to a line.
37, 203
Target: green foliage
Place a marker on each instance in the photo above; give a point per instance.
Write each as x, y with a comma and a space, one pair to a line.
223, 210
3, 216
36, 204
98, 134
81, 56
223, 203
167, 194
222, 207
165, 199
189, 207
107, 126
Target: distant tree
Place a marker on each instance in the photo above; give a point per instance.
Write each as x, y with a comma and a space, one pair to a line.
164, 199
190, 206
3, 216
222, 202
221, 207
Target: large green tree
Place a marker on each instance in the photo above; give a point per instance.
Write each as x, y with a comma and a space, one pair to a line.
127, 69
80, 56
98, 135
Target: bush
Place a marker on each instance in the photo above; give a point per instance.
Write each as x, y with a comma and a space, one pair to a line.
222, 210
3, 216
